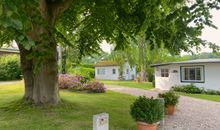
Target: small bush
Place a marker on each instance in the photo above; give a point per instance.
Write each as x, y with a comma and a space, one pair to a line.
95, 87
10, 68
147, 110
79, 83
170, 98
195, 90
151, 77
188, 89
88, 73
153, 83
212, 92
70, 81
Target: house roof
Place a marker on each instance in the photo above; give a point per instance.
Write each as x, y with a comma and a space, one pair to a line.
9, 50
106, 63
197, 61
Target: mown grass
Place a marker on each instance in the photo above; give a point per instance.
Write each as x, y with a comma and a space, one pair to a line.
131, 84
74, 113
215, 98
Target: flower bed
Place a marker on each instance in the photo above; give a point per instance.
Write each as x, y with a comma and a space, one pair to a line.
79, 83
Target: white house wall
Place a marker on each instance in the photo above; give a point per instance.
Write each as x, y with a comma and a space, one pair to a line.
131, 73
108, 73
211, 76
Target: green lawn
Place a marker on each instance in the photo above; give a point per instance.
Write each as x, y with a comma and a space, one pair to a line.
202, 96
132, 84
75, 113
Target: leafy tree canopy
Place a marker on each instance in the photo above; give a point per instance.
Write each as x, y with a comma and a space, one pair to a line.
176, 24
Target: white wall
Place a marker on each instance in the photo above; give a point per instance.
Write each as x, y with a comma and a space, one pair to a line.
110, 76
108, 73
129, 72
211, 76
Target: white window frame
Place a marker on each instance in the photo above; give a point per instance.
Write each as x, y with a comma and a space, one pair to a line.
164, 72
183, 74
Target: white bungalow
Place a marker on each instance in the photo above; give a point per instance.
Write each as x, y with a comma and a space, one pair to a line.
109, 70
202, 73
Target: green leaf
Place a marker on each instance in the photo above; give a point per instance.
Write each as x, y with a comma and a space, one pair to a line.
17, 24
11, 6
9, 13
21, 37
10, 22
1, 9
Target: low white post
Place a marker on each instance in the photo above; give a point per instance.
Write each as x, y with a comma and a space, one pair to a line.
101, 121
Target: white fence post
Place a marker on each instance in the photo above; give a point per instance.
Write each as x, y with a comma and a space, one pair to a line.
101, 121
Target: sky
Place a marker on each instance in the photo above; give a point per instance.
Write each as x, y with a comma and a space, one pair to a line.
209, 34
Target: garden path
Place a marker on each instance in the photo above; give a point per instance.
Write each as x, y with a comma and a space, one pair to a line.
191, 113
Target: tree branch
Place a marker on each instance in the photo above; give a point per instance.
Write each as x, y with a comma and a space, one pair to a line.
52, 9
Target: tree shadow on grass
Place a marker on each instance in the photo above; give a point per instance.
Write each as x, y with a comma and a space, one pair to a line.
27, 105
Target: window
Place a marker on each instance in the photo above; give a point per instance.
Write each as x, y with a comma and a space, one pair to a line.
127, 71
101, 71
113, 71
98, 71
164, 73
192, 74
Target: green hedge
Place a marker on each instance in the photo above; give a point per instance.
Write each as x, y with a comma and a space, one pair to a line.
86, 72
10, 68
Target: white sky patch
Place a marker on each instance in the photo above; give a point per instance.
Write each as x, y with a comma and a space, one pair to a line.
211, 34
106, 47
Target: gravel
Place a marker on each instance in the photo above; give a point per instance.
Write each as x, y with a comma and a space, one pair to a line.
191, 113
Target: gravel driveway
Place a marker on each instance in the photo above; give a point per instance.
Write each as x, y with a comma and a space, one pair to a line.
191, 114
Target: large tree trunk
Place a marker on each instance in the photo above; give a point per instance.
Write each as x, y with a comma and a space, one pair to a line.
27, 70
41, 71
46, 80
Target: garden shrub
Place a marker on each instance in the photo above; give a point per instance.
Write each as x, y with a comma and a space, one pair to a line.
153, 83
10, 68
95, 87
80, 83
212, 92
188, 89
170, 98
147, 110
88, 73
151, 77
70, 81
194, 90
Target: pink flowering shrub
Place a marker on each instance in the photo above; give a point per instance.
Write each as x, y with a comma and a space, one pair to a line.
79, 83
70, 81
95, 87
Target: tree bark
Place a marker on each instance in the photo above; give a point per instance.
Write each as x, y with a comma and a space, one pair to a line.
142, 53
27, 70
64, 60
45, 89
